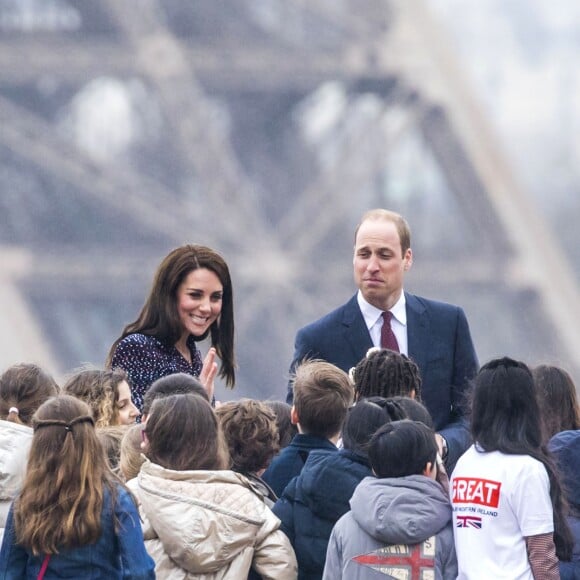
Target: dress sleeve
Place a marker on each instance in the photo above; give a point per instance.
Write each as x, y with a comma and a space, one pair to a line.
135, 561
13, 558
129, 354
137, 357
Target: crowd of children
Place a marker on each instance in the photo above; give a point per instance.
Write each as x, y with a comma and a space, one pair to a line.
348, 482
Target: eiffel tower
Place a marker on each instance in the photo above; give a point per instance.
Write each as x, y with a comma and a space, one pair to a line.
263, 129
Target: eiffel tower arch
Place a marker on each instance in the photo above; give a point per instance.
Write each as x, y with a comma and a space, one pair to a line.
263, 129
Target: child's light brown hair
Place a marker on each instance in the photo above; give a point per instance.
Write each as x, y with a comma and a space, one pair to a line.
61, 501
132, 457
322, 395
99, 389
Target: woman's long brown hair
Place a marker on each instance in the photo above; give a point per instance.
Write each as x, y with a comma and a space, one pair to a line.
159, 316
62, 497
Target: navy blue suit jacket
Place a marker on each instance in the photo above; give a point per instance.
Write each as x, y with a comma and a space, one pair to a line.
439, 342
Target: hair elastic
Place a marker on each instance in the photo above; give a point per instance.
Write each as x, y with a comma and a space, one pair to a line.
67, 426
13, 410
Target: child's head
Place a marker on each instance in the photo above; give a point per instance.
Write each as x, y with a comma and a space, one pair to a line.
286, 429
558, 400
322, 395
62, 495
363, 420
107, 393
176, 384
110, 438
131, 452
403, 448
565, 447
251, 434
385, 373
183, 433
23, 388
414, 410
505, 414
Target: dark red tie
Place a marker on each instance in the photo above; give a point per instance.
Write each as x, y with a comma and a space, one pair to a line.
388, 338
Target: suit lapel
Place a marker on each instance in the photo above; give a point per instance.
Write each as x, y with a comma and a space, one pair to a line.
355, 329
418, 330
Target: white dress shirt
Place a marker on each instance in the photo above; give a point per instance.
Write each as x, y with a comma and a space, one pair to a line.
374, 321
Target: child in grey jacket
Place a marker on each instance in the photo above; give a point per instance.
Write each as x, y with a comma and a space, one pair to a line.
400, 522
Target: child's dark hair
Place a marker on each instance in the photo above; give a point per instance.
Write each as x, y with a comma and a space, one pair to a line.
175, 384
386, 373
506, 417
558, 400
414, 410
23, 388
184, 433
363, 420
402, 448
322, 395
286, 429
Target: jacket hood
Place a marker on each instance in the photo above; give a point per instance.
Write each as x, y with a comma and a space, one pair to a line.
566, 448
15, 443
203, 519
404, 510
318, 481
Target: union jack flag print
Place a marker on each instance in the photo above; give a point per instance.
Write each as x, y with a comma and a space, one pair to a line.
469, 522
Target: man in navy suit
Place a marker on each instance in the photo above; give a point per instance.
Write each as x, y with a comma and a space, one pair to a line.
435, 335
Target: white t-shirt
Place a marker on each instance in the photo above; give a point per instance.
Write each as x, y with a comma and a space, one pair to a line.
498, 500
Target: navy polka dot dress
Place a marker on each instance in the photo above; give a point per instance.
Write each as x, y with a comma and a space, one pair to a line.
145, 359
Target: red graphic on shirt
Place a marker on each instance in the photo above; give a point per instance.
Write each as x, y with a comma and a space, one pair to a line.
473, 490
402, 562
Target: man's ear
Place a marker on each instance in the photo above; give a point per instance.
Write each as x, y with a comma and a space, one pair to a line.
294, 416
408, 259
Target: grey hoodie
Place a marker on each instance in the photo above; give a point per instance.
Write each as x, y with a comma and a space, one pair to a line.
395, 527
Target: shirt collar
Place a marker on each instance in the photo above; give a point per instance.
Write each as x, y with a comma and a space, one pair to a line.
371, 313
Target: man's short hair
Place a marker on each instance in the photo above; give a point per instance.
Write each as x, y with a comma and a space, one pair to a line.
175, 384
322, 395
400, 222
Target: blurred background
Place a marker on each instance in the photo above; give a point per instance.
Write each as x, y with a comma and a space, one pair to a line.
264, 129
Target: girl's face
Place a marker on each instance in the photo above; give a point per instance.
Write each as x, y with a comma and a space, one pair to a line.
199, 301
128, 413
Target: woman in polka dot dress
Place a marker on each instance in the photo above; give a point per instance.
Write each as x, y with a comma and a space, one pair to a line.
191, 298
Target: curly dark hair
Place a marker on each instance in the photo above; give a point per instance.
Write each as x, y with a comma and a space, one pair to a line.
386, 373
